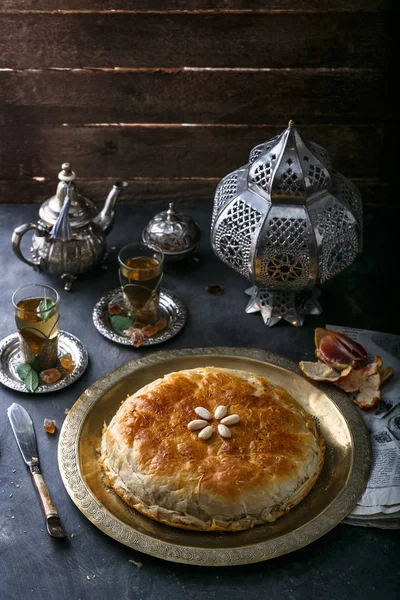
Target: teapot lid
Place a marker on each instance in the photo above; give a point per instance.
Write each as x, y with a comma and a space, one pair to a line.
81, 210
172, 231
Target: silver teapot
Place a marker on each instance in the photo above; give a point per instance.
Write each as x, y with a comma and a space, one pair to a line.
69, 237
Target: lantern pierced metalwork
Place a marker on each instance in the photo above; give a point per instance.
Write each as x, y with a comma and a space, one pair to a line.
286, 221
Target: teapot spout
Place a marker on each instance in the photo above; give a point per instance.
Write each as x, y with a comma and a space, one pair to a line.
105, 219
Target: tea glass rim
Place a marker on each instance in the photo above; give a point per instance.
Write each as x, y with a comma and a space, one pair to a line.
138, 244
55, 304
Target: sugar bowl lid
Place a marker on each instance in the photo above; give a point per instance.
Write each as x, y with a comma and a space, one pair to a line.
172, 231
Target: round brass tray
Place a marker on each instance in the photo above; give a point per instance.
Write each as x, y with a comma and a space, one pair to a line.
341, 482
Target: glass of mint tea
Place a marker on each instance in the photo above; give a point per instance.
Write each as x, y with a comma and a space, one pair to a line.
37, 316
140, 275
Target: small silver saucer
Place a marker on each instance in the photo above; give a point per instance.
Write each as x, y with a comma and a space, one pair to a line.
10, 358
170, 308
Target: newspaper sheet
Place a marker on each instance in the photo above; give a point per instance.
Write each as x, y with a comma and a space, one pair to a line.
380, 504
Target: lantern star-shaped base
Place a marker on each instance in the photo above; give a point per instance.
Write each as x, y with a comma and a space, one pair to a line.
276, 305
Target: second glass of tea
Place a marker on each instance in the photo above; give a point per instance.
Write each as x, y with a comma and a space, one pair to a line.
140, 275
36, 316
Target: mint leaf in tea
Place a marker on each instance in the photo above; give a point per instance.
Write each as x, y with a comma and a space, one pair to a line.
44, 308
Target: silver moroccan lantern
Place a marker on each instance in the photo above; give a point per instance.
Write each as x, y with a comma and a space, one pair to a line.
286, 221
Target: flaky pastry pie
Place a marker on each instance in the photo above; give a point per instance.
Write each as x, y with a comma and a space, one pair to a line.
211, 449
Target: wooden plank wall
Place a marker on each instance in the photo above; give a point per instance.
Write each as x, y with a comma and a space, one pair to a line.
172, 94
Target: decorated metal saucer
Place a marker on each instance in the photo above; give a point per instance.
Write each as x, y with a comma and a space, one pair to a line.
10, 358
170, 308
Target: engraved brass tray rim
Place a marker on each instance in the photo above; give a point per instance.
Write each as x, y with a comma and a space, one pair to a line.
99, 515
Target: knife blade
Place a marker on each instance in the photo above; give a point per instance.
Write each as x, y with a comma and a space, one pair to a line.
24, 432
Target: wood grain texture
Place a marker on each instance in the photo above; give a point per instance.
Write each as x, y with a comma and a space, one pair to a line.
281, 39
191, 5
80, 97
374, 192
168, 151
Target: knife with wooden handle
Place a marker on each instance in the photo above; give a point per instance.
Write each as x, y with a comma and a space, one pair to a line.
24, 432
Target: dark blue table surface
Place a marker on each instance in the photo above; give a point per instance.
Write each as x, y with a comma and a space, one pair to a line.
348, 562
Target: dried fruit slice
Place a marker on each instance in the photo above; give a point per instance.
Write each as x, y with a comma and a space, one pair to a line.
319, 333
340, 375
315, 370
336, 349
358, 377
368, 398
366, 382
352, 383
336, 366
369, 395
320, 372
385, 373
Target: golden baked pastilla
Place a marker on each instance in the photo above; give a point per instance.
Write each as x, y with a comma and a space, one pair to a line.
211, 449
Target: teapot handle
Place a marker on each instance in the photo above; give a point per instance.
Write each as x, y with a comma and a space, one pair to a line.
16, 243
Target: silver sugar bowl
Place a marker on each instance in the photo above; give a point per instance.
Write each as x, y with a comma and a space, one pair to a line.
286, 221
70, 236
175, 233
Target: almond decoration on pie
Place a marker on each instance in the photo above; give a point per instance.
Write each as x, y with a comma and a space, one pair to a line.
219, 414
211, 449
